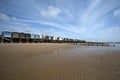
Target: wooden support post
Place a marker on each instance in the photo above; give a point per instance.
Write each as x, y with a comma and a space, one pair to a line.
20, 40
27, 40
2, 38
102, 44
97, 44
11, 40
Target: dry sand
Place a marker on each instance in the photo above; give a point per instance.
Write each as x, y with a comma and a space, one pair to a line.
48, 61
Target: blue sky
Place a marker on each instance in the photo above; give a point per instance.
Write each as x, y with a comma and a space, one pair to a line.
90, 20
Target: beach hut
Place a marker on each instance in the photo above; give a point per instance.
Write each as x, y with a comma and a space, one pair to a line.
15, 37
61, 39
27, 35
76, 40
51, 39
65, 40
37, 38
7, 34
58, 39
32, 38
71, 40
24, 37
54, 39
6, 37
41, 38
46, 38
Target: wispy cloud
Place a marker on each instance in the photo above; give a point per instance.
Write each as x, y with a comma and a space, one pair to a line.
117, 12
51, 12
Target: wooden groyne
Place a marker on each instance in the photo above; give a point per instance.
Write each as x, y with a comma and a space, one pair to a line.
94, 44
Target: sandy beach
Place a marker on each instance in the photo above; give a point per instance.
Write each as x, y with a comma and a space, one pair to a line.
53, 61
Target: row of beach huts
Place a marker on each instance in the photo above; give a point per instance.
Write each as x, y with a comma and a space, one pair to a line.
20, 37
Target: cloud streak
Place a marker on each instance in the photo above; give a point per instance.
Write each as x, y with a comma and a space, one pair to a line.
5, 17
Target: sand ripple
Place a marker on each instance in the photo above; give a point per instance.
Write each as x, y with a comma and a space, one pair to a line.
70, 64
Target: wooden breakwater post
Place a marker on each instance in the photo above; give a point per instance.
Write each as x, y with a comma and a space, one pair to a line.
0, 39
94, 44
99, 44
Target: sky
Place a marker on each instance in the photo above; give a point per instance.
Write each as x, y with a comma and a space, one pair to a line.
90, 20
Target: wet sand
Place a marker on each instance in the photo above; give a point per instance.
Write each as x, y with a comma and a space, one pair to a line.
58, 62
